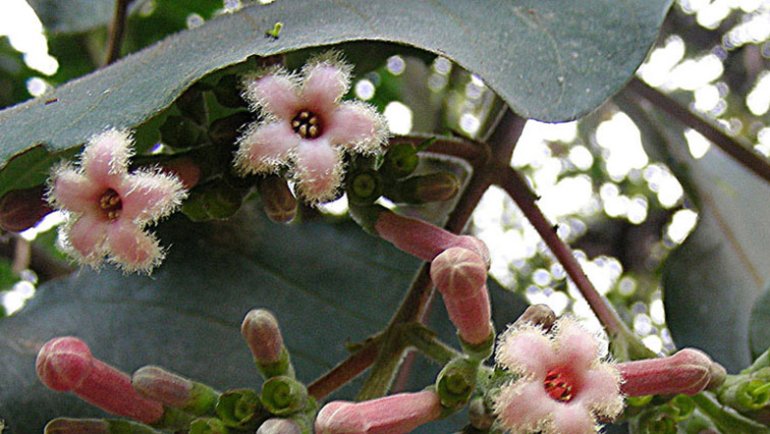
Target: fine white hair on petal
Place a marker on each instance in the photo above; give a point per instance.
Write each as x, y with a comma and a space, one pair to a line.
258, 101
334, 59
118, 143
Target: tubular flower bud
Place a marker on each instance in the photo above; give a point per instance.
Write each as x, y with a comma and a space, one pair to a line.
96, 426
562, 387
395, 414
187, 170
66, 365
538, 315
460, 275
419, 238
434, 187
306, 127
277, 199
689, 371
22, 209
174, 391
108, 208
262, 335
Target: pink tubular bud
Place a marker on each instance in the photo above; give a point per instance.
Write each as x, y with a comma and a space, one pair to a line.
423, 239
460, 275
22, 209
187, 170
395, 414
260, 329
65, 364
689, 371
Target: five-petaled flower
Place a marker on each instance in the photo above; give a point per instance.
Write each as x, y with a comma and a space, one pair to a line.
563, 384
306, 128
108, 208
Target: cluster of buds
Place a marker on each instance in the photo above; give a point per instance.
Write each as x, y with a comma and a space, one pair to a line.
156, 399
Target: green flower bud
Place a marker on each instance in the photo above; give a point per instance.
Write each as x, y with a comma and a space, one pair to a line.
240, 408
181, 132
192, 104
400, 161
212, 201
277, 199
364, 187
224, 131
227, 92
434, 187
456, 382
284, 395
208, 425
682, 407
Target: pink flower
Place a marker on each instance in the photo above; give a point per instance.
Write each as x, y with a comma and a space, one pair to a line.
306, 127
563, 385
108, 208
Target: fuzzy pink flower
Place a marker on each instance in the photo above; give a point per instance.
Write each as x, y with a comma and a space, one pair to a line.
306, 127
563, 385
109, 208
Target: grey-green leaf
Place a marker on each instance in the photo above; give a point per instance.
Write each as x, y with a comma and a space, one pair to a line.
712, 281
550, 60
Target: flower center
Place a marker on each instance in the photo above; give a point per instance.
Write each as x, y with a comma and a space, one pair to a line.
306, 124
111, 204
558, 385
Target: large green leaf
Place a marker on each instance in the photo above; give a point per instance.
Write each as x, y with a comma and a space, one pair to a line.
553, 60
712, 280
328, 283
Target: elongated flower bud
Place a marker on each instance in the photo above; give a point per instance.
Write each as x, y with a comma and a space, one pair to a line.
538, 315
22, 209
418, 189
277, 199
395, 414
187, 170
96, 426
689, 371
416, 237
260, 329
460, 275
66, 365
173, 390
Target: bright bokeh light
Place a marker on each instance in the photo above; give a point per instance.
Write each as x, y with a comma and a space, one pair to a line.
399, 117
25, 32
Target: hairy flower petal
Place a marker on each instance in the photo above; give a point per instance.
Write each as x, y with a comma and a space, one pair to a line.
74, 191
276, 94
575, 346
132, 247
319, 170
264, 148
525, 350
357, 126
600, 391
523, 406
149, 196
105, 158
87, 236
324, 85
572, 419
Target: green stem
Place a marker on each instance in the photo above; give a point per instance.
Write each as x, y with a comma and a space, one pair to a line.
428, 343
622, 337
727, 419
